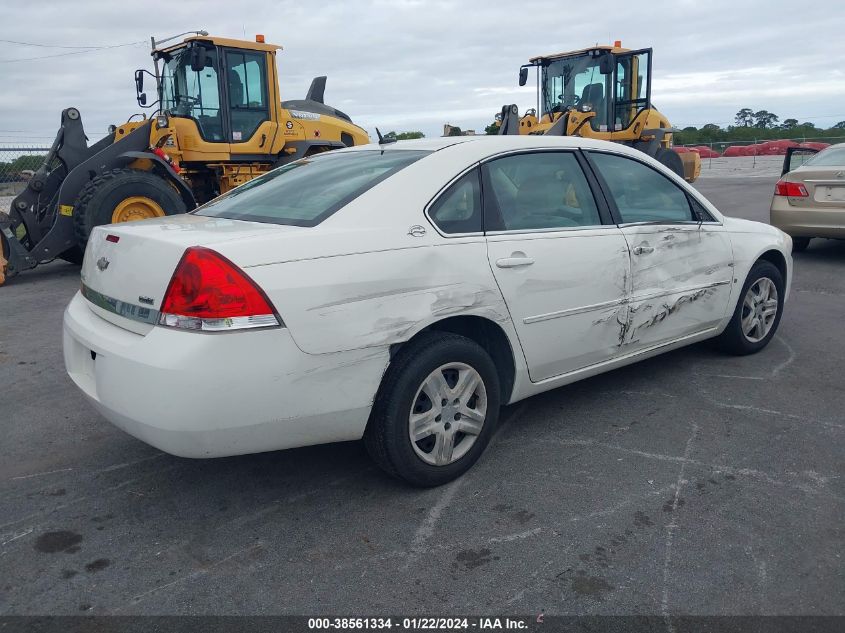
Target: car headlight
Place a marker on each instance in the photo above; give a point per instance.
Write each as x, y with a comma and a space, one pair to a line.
161, 121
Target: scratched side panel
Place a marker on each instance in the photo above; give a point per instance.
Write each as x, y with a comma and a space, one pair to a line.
379, 298
680, 287
752, 239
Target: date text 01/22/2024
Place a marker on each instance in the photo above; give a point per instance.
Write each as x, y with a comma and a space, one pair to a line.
419, 623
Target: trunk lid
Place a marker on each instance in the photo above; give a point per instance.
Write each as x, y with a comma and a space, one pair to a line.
128, 267
825, 186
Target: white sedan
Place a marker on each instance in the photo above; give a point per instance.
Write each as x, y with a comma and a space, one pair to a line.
402, 293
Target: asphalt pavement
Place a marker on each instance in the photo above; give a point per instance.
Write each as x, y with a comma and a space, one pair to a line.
691, 483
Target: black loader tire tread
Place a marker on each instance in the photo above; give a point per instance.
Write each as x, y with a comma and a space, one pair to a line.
380, 429
670, 159
73, 255
81, 226
85, 194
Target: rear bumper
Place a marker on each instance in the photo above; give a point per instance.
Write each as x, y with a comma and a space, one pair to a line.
807, 221
211, 395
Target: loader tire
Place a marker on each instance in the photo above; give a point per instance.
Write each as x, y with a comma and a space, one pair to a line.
671, 159
129, 194
4, 262
73, 255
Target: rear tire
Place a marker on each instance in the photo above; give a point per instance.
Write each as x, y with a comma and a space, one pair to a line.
671, 160
450, 442
100, 197
800, 244
763, 290
73, 255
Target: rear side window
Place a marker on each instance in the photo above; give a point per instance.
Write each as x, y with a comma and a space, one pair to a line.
641, 193
542, 190
458, 209
308, 191
830, 157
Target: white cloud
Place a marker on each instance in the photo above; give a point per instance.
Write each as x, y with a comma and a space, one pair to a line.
419, 64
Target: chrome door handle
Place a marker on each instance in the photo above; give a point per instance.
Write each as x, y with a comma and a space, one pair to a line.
514, 262
642, 250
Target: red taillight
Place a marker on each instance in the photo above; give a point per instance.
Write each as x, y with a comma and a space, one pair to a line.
208, 292
791, 189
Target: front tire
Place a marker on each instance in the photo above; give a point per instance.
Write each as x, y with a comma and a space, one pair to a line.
800, 244
121, 195
758, 311
435, 411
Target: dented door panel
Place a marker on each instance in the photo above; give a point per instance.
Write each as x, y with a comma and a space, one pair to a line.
681, 281
568, 305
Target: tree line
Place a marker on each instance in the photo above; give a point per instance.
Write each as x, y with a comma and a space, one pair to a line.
761, 125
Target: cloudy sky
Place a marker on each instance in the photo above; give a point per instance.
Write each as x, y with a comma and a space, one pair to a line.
417, 64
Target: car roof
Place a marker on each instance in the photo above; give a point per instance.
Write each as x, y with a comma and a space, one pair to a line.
484, 145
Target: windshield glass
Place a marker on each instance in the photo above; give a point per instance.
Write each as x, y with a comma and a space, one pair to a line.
830, 157
573, 82
306, 192
192, 94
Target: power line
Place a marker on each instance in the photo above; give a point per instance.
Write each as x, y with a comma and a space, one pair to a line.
46, 45
78, 52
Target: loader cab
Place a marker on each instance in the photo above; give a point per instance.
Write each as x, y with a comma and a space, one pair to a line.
614, 83
228, 91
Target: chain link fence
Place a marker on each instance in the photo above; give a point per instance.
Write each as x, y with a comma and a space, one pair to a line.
755, 157
18, 162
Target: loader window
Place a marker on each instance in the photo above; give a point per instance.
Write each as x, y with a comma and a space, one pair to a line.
194, 95
246, 82
577, 82
631, 85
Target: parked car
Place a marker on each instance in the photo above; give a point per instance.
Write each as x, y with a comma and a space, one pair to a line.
402, 293
809, 199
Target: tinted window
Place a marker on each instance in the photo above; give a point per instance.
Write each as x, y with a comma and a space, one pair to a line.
545, 190
641, 193
306, 192
458, 209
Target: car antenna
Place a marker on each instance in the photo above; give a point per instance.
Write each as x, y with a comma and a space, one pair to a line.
384, 140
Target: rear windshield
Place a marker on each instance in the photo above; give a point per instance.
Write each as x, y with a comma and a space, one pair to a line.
306, 192
831, 157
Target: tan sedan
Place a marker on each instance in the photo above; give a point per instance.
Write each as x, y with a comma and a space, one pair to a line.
809, 198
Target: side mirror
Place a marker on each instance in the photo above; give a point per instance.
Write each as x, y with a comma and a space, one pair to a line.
139, 81
523, 76
198, 58
142, 98
606, 64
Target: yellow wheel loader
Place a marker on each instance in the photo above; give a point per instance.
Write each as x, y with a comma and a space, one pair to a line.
604, 93
218, 122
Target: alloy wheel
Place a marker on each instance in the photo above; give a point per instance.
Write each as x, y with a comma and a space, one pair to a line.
759, 309
447, 414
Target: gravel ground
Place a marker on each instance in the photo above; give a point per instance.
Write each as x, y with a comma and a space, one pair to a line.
692, 483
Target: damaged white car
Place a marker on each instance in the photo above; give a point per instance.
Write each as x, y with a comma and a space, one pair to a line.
402, 293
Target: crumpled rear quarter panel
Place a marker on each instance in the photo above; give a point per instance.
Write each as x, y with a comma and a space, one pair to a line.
375, 299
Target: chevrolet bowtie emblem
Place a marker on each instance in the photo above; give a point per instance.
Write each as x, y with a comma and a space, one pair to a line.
102, 263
